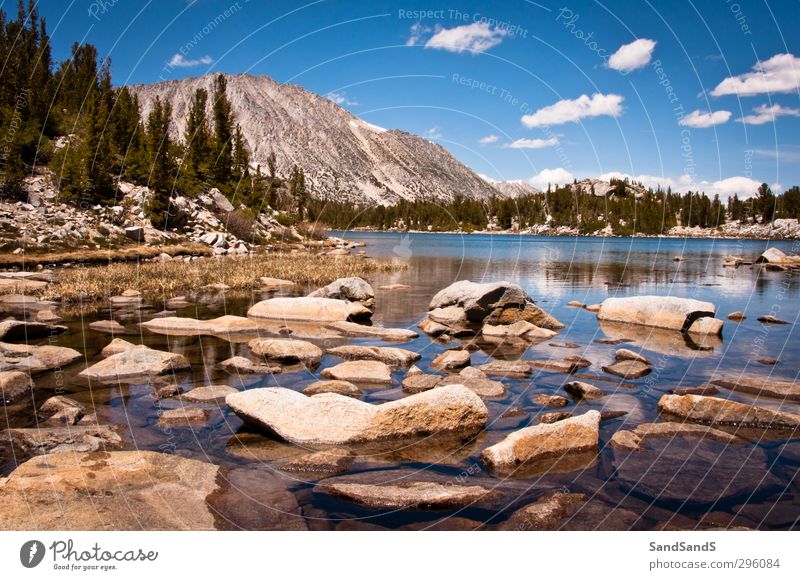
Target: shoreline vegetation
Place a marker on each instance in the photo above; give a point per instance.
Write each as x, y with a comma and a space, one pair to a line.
162, 280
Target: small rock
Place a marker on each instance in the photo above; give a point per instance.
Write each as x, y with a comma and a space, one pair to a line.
287, 350
321, 463
583, 391
410, 494
737, 316
432, 328
360, 371
137, 361
566, 365
625, 354
339, 387
421, 382
209, 394
550, 400
396, 357
61, 409
635, 438
14, 386
714, 411
242, 365
507, 368
628, 369
704, 390
576, 304
354, 329
451, 359
183, 415
770, 319
108, 326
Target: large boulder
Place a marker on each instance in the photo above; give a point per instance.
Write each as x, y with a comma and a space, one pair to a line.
496, 303
35, 359
722, 412
543, 441
308, 308
120, 490
396, 357
775, 256
668, 312
139, 361
332, 419
352, 289
287, 350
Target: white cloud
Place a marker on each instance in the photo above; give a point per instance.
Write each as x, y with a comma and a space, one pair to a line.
552, 177
779, 74
704, 119
178, 60
532, 143
767, 114
488, 140
418, 30
486, 178
632, 56
433, 133
572, 111
340, 98
475, 38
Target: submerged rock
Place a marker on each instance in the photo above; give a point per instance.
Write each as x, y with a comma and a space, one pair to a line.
550, 400
360, 371
566, 365
410, 494
308, 308
477, 382
119, 490
635, 438
331, 419
669, 312
761, 386
287, 350
570, 512
183, 416
352, 289
628, 369
139, 361
573, 435
321, 464
361, 330
396, 357
209, 394
714, 411
770, 319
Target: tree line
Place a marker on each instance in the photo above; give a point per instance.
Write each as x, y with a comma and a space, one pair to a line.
651, 212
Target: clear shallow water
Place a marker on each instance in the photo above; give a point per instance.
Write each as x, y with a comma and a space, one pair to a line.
685, 484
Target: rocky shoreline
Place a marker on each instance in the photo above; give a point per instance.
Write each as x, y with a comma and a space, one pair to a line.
71, 463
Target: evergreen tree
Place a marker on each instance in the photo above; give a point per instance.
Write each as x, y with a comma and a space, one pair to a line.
222, 162
161, 162
197, 138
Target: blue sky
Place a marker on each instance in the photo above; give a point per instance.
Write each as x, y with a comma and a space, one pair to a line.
668, 92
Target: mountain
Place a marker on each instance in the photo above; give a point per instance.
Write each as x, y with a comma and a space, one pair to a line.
343, 157
514, 188
603, 188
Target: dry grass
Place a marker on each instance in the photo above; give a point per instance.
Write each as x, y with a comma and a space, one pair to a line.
158, 281
122, 254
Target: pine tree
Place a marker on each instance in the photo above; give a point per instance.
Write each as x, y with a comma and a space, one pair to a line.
162, 164
197, 138
222, 161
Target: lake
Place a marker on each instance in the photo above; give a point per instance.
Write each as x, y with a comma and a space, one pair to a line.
680, 483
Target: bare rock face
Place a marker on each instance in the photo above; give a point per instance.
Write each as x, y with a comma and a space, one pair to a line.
308, 308
573, 435
331, 419
395, 357
35, 359
761, 386
360, 371
287, 350
669, 312
139, 361
410, 494
722, 412
352, 289
368, 164
14, 385
119, 490
222, 326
